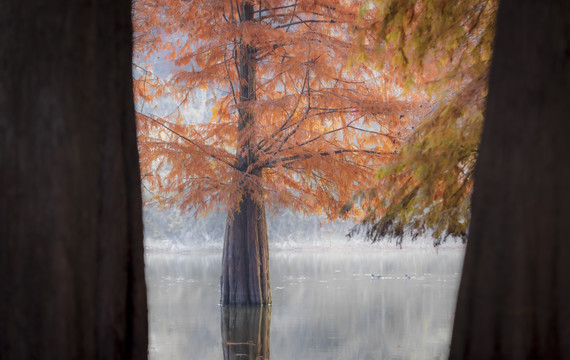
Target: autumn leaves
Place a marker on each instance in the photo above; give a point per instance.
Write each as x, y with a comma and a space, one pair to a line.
315, 129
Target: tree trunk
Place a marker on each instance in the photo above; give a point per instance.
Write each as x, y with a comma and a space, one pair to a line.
245, 262
71, 258
514, 298
245, 332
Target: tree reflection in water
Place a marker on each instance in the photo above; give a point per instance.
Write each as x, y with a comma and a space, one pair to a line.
325, 306
245, 332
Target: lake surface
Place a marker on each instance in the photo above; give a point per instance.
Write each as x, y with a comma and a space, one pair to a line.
326, 305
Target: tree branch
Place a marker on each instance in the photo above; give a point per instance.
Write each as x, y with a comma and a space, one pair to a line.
284, 125
293, 158
304, 22
189, 141
375, 132
318, 137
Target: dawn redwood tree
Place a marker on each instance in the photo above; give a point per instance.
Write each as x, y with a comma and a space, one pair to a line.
293, 124
71, 264
514, 297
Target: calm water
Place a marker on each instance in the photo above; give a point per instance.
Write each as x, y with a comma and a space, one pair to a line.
325, 306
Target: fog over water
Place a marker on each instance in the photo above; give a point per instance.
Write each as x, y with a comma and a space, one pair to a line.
172, 231
326, 303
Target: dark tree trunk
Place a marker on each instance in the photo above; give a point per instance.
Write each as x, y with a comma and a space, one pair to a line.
245, 262
71, 251
514, 298
245, 332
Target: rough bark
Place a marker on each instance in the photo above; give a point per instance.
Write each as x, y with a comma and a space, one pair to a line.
71, 258
245, 261
245, 332
514, 298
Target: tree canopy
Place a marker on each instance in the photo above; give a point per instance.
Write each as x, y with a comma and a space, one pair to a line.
442, 48
310, 131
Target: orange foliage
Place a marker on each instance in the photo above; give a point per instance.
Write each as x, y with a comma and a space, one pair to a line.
301, 129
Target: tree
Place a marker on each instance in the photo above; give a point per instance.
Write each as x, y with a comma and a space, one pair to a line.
291, 126
514, 297
442, 48
71, 264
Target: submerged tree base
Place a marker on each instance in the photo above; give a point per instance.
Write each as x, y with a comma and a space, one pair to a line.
245, 262
245, 332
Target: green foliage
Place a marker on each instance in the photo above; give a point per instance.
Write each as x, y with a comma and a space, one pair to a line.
442, 48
